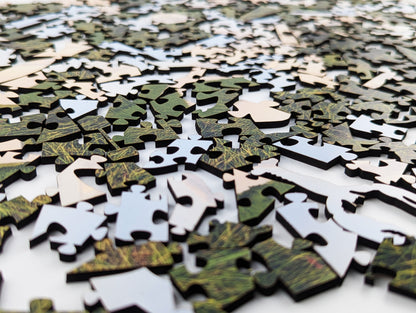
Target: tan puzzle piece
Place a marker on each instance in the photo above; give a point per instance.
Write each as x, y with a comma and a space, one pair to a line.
10, 158
241, 182
285, 65
285, 35
314, 80
112, 73
169, 18
378, 81
87, 89
68, 50
26, 82
5, 98
71, 188
260, 112
11, 145
24, 69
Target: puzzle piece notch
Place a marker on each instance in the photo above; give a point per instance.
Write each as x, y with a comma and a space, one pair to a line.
79, 226
136, 217
193, 200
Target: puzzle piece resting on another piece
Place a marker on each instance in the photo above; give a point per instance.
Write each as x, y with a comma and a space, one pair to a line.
191, 190
180, 151
253, 195
301, 272
20, 212
110, 260
71, 189
228, 235
78, 225
137, 215
119, 176
304, 150
220, 279
397, 261
138, 289
13, 168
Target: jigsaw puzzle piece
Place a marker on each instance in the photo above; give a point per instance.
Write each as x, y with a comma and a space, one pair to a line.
364, 126
19, 212
387, 171
180, 151
341, 135
127, 291
228, 235
126, 112
110, 260
253, 195
340, 245
119, 176
395, 149
30, 126
136, 216
78, 226
323, 156
72, 189
222, 158
58, 127
397, 261
263, 114
220, 279
64, 153
194, 200
137, 136
301, 272
12, 167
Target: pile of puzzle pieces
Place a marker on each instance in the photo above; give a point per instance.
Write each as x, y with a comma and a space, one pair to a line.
93, 82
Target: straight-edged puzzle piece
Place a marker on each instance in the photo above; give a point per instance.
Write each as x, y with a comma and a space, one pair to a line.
78, 227
253, 195
323, 156
301, 272
139, 289
194, 200
137, 215
180, 151
110, 260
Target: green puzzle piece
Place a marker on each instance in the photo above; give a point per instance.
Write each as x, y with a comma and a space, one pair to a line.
111, 260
